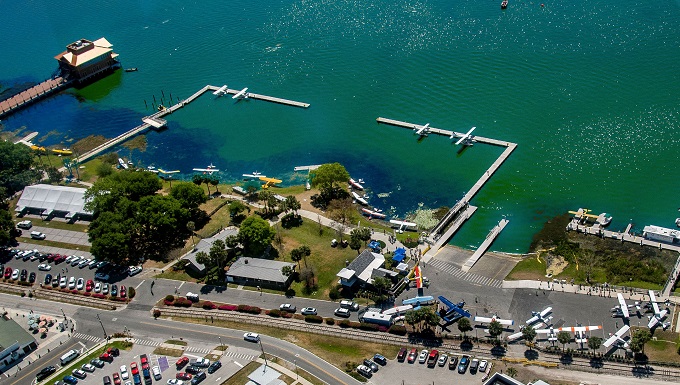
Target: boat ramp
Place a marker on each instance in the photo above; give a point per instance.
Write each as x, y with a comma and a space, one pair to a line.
485, 245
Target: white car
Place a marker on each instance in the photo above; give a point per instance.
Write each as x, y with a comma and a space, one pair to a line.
134, 270
105, 288
15, 274
341, 312
442, 360
93, 263
423, 356
97, 287
62, 282
156, 371
124, 373
44, 267
349, 304
309, 311
69, 259
174, 381
80, 284
84, 263
482, 366
252, 337
88, 368
72, 283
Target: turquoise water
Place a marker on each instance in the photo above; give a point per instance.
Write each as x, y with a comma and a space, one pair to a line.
588, 90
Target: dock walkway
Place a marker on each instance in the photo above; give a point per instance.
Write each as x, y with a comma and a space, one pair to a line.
307, 168
266, 98
485, 245
33, 94
440, 241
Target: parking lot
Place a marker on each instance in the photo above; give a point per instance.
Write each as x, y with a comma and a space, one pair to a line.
232, 362
416, 373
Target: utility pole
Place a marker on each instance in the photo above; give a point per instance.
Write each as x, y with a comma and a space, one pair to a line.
101, 323
263, 355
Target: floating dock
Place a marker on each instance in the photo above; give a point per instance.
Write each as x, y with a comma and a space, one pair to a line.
439, 131
307, 168
33, 94
485, 245
264, 97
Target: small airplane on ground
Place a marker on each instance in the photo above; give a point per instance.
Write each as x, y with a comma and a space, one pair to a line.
580, 332
467, 139
221, 91
355, 184
540, 317
243, 94
621, 310
617, 338
658, 315
453, 312
505, 322
208, 170
402, 225
422, 130
269, 182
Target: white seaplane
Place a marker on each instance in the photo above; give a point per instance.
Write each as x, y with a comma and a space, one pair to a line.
243, 94
467, 139
486, 320
208, 170
617, 338
221, 91
658, 315
422, 130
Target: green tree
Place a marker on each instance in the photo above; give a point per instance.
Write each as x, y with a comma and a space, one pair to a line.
255, 235
413, 318
305, 251
106, 193
563, 338
103, 170
464, 326
341, 211
236, 208
199, 179
287, 271
6, 224
639, 339
381, 284
365, 234
431, 317
512, 372
495, 328
355, 243
189, 195
54, 175
296, 256
292, 204
215, 181
191, 226
329, 174
16, 167
594, 343
529, 334
266, 197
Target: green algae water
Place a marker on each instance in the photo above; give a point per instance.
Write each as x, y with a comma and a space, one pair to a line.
588, 90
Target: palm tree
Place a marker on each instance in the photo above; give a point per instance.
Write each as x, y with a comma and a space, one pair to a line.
191, 226
529, 334
594, 343
563, 338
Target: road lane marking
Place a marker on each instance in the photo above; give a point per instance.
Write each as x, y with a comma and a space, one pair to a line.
237, 363
38, 367
140, 284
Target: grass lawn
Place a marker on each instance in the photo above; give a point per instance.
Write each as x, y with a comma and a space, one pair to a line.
179, 275
241, 377
37, 242
161, 351
218, 221
325, 260
177, 342
529, 268
89, 172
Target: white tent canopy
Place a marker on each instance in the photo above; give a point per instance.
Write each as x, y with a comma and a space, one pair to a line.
50, 199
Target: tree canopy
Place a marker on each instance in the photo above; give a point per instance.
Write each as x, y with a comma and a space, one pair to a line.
529, 333
464, 325
255, 235
189, 195
563, 338
329, 174
495, 328
16, 172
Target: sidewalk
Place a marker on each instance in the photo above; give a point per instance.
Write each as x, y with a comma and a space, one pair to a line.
635, 295
297, 379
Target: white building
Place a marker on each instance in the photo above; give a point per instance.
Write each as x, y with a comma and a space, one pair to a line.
661, 234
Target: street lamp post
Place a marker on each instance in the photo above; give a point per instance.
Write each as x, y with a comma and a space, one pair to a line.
263, 355
62, 313
220, 338
101, 323
296, 372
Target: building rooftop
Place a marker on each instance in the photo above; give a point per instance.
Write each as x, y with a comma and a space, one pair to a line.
256, 268
53, 198
11, 332
362, 266
82, 51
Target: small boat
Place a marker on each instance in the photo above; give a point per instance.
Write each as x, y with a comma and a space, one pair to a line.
372, 213
677, 222
63, 151
355, 184
308, 186
133, 69
359, 199
122, 163
254, 175
504, 4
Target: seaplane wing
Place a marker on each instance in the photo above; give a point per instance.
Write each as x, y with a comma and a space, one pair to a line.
206, 169
652, 299
579, 329
622, 304
515, 336
506, 322
539, 316
465, 137
618, 336
422, 130
453, 307
418, 277
241, 94
221, 91
656, 318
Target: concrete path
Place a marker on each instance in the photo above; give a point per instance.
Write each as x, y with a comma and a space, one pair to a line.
63, 236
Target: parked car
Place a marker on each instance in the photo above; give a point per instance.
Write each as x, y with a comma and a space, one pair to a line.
341, 312
101, 277
123, 291
124, 372
183, 376
136, 379
364, 371
214, 366
25, 225
98, 287
97, 363
371, 364
156, 371
78, 373
482, 366
31, 277
70, 380
113, 351
15, 274
379, 358
38, 235
88, 368
463, 365
116, 379
453, 362
44, 267
114, 290
423, 356
75, 261
401, 356
106, 357
72, 283
134, 270
348, 304
48, 279
62, 282
198, 378
442, 359
474, 365
174, 381
144, 360
89, 285
80, 284
93, 263
45, 372
181, 362
133, 368
308, 311
193, 369
252, 337
201, 362
8, 272
24, 274
84, 262
412, 356
287, 307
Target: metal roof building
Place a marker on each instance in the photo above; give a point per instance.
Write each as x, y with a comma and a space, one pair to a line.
259, 272
15, 342
44, 199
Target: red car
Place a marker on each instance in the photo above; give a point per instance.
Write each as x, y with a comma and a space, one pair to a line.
123, 291
8, 272
183, 376
89, 285
106, 357
133, 368
412, 356
116, 379
181, 362
145, 362
58, 258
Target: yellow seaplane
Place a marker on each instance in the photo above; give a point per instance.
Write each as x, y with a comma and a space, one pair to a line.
269, 182
63, 151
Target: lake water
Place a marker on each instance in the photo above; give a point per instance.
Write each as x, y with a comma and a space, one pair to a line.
588, 90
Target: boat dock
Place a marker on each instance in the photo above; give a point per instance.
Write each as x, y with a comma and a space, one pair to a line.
485, 245
439, 131
33, 94
441, 240
623, 236
266, 98
27, 139
307, 168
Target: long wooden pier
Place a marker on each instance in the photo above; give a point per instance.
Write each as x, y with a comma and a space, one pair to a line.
485, 245
307, 168
33, 94
439, 131
265, 98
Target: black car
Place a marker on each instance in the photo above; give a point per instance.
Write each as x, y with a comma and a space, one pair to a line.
379, 358
24, 274
48, 279
97, 362
371, 364
107, 380
192, 369
45, 372
214, 366
198, 378
31, 277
